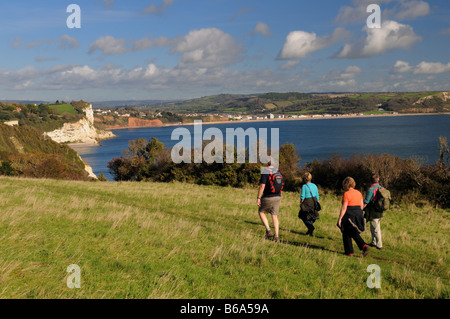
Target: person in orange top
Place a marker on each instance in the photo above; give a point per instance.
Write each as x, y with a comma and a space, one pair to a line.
351, 220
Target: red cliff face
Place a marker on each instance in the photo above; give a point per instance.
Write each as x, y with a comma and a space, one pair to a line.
134, 122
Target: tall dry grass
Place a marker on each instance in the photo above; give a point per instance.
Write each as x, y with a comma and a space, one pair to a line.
174, 240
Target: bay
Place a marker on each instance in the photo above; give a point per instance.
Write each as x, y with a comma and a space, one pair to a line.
412, 136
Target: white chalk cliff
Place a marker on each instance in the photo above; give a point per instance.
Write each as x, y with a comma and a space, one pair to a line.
82, 131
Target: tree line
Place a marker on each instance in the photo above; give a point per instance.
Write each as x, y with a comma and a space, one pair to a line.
407, 179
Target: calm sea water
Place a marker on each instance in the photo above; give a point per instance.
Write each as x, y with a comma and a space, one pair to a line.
402, 136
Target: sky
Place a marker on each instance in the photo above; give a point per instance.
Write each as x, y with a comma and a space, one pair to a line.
181, 49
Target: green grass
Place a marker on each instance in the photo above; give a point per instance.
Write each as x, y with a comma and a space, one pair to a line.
64, 108
419, 95
366, 96
236, 109
149, 240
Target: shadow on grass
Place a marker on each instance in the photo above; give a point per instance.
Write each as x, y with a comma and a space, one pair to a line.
307, 245
299, 243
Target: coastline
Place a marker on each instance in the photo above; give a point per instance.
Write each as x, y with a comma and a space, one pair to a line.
278, 120
79, 146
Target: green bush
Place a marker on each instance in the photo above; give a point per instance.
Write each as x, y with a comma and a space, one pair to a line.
407, 179
25, 151
7, 169
152, 161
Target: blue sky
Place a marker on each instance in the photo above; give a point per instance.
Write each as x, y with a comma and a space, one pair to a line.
177, 49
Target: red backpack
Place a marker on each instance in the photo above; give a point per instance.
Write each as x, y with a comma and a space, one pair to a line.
276, 183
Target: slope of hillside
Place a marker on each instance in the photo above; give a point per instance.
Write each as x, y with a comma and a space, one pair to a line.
150, 240
25, 151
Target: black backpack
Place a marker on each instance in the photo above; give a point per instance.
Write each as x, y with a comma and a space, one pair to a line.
276, 182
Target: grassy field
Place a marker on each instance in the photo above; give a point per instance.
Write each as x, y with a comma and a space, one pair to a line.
64, 108
148, 240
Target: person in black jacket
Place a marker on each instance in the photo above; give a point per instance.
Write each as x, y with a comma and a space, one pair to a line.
351, 220
308, 214
269, 200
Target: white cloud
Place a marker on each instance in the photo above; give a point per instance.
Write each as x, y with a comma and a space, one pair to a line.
391, 36
423, 68
158, 9
399, 9
401, 67
431, 68
263, 29
300, 44
348, 75
66, 42
108, 3
445, 31
148, 43
290, 65
240, 13
109, 45
412, 9
207, 48
351, 72
356, 13
147, 77
337, 80
17, 43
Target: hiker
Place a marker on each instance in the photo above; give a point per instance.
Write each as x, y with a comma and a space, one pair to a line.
308, 213
351, 220
372, 214
269, 199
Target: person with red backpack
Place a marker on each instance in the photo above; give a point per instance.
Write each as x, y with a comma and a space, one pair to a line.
269, 198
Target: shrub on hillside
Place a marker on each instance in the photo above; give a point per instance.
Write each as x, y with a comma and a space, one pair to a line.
152, 161
40, 165
407, 179
25, 151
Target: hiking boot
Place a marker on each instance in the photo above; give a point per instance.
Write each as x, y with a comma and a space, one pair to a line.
366, 250
269, 234
276, 239
373, 245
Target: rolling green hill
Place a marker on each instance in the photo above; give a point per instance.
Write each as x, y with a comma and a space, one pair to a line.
151, 240
308, 103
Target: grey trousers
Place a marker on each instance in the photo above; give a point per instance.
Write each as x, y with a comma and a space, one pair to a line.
375, 229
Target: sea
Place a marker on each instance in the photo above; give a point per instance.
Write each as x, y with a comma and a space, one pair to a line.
406, 136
